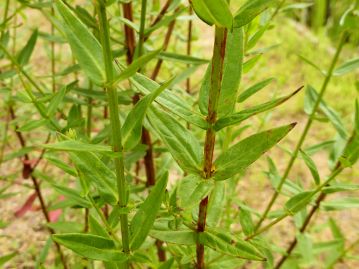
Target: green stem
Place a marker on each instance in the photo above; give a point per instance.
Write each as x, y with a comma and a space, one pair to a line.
6, 12
53, 65
214, 93
305, 132
141, 37
332, 176
115, 125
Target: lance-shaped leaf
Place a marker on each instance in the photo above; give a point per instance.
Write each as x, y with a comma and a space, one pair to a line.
136, 65
236, 118
85, 47
341, 203
350, 154
91, 246
311, 96
298, 202
73, 195
55, 101
192, 189
246, 221
144, 218
347, 67
78, 146
250, 10
94, 171
5, 258
254, 89
232, 74
131, 130
181, 143
177, 105
226, 245
181, 237
213, 12
311, 165
24, 55
237, 158
216, 203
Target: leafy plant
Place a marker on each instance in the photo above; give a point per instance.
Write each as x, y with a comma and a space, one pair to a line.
111, 193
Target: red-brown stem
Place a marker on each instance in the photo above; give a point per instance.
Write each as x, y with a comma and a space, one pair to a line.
149, 165
129, 33
302, 229
214, 94
27, 172
164, 48
159, 16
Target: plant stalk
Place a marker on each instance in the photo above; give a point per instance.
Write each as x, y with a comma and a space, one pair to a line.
115, 125
306, 130
214, 93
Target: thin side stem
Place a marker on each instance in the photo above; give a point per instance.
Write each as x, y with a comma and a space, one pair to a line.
115, 125
53, 63
305, 132
214, 93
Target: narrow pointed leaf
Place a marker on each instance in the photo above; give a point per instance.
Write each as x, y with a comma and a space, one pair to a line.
85, 47
181, 143
237, 158
298, 202
311, 165
136, 65
240, 249
232, 74
24, 55
144, 218
238, 117
186, 237
132, 127
246, 221
213, 12
346, 67
91, 246
250, 10
56, 101
254, 89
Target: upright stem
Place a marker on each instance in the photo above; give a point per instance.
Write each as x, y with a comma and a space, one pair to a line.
6, 12
129, 32
214, 93
141, 37
115, 125
305, 132
189, 47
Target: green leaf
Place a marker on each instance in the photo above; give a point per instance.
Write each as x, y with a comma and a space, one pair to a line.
250, 10
338, 187
232, 74
217, 201
254, 89
223, 244
85, 47
181, 58
192, 189
238, 117
246, 221
213, 12
249, 64
77, 146
167, 264
24, 55
136, 65
181, 237
60, 164
41, 259
181, 143
310, 98
91, 246
305, 247
298, 202
346, 67
170, 101
341, 203
145, 216
31, 125
237, 158
94, 171
56, 101
312, 167
132, 127
73, 195
4, 259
